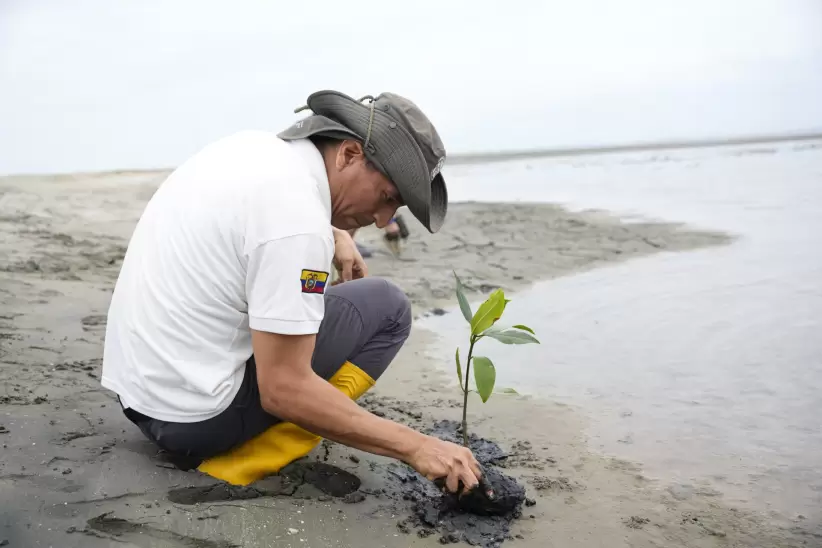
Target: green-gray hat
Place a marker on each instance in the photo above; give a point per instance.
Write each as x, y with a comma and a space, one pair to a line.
396, 136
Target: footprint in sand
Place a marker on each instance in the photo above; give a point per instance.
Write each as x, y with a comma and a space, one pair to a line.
144, 535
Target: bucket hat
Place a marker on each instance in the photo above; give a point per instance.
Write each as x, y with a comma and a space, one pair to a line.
396, 137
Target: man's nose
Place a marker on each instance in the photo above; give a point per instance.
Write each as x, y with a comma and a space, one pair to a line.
384, 216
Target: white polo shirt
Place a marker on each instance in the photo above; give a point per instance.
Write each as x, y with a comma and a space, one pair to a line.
237, 237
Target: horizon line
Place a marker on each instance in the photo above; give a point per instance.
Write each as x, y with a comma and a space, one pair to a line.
466, 158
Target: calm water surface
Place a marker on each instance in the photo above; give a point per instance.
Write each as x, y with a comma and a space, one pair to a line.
705, 366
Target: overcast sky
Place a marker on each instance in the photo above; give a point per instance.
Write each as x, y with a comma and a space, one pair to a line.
105, 84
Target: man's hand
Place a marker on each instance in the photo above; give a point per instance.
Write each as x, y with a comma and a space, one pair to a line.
290, 390
347, 259
437, 459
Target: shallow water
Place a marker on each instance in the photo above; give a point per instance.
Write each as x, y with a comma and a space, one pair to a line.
705, 366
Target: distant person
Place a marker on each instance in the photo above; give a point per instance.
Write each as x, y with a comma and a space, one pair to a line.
225, 341
395, 231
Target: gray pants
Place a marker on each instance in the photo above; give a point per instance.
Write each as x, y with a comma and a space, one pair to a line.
366, 322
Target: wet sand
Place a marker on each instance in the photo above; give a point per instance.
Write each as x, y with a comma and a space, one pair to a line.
75, 472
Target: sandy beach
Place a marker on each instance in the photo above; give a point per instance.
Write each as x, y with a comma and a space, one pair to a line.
76, 473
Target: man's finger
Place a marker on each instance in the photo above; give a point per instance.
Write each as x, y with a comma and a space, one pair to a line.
360, 268
475, 468
471, 462
347, 264
468, 479
452, 482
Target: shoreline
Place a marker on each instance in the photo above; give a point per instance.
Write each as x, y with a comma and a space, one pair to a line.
675, 144
71, 457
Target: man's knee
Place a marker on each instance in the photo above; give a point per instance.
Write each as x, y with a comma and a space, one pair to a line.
376, 299
392, 313
369, 318
398, 307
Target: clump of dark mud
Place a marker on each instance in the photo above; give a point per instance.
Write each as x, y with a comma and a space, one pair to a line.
473, 518
433, 512
497, 496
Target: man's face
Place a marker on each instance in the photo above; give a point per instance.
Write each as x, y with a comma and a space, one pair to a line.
360, 194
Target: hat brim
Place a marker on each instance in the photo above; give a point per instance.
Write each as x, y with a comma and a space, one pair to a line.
391, 147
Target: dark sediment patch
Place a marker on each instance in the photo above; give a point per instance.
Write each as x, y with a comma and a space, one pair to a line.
396, 410
29, 399
636, 522
328, 479
94, 320
325, 477
14, 400
218, 492
79, 365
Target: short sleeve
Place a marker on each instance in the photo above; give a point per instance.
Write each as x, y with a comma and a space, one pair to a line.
286, 282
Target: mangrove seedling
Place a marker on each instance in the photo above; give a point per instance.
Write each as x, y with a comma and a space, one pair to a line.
484, 324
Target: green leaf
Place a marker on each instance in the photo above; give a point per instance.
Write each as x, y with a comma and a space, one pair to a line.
525, 328
488, 313
459, 369
485, 375
509, 391
511, 336
464, 306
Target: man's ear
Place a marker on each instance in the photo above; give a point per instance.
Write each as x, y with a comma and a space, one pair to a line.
348, 153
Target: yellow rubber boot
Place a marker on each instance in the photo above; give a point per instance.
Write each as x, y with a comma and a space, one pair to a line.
283, 443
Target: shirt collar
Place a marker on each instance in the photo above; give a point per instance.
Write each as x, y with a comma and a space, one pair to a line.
306, 150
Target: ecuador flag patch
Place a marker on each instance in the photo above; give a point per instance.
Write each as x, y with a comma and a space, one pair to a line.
313, 281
